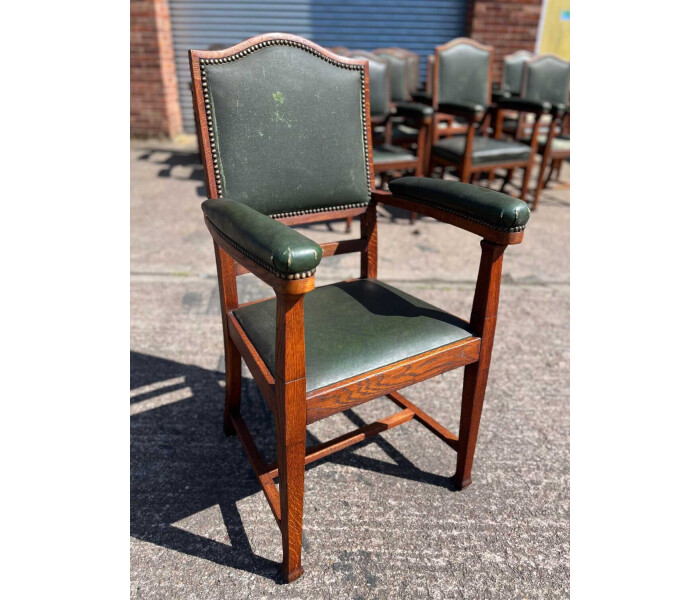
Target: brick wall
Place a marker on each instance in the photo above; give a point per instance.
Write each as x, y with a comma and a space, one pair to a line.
508, 26
154, 102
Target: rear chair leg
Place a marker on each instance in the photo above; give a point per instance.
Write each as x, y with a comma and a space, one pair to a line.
506, 180
526, 181
228, 298
232, 406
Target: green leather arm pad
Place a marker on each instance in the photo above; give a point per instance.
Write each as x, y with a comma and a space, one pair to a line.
498, 95
490, 208
525, 105
561, 109
414, 110
271, 244
468, 109
423, 97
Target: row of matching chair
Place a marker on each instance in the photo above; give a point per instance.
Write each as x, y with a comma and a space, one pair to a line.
460, 120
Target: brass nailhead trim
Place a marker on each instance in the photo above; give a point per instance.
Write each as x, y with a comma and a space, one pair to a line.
310, 211
459, 214
255, 259
238, 55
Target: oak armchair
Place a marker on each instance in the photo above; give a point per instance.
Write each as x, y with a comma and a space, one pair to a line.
462, 87
294, 146
512, 74
390, 158
546, 80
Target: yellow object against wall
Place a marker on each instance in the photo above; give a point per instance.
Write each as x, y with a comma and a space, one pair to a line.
554, 30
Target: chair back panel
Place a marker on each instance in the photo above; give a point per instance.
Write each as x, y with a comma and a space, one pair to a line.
379, 83
463, 73
412, 66
546, 79
286, 125
513, 66
399, 73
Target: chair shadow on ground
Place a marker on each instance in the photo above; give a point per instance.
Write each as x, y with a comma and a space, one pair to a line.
172, 159
182, 464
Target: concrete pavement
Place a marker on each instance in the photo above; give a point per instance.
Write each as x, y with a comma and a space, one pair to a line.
380, 519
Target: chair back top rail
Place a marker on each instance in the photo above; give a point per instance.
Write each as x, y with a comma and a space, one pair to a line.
284, 125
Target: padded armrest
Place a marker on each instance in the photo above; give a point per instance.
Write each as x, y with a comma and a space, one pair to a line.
423, 97
413, 109
498, 95
273, 245
487, 207
561, 109
470, 109
524, 105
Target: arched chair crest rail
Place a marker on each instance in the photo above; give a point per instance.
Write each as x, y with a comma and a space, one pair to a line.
285, 133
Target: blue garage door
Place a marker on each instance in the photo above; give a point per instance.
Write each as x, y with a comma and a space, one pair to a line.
417, 25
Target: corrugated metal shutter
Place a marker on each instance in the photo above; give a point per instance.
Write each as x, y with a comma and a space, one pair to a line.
417, 25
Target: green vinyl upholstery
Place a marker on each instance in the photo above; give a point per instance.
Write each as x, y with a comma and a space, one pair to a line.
288, 129
379, 83
354, 327
399, 74
463, 75
485, 150
273, 245
488, 207
385, 153
513, 66
546, 79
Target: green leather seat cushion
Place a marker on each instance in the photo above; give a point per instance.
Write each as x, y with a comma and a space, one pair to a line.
386, 154
354, 327
485, 150
401, 132
559, 144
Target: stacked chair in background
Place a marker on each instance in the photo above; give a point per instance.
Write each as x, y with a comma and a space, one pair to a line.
544, 88
400, 127
460, 121
462, 87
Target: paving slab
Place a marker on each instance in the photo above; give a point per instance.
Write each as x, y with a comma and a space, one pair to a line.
380, 518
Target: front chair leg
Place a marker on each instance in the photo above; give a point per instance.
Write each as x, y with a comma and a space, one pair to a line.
290, 399
290, 458
483, 320
472, 403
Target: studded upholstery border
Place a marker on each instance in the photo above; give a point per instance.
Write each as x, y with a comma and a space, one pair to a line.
255, 259
281, 42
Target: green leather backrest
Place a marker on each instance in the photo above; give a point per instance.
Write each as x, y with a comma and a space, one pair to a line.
547, 80
463, 75
398, 69
513, 66
379, 83
289, 129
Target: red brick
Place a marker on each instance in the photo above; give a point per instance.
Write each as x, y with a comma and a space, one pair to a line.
507, 26
155, 110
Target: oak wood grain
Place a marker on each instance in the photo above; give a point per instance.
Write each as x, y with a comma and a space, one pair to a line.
337, 397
